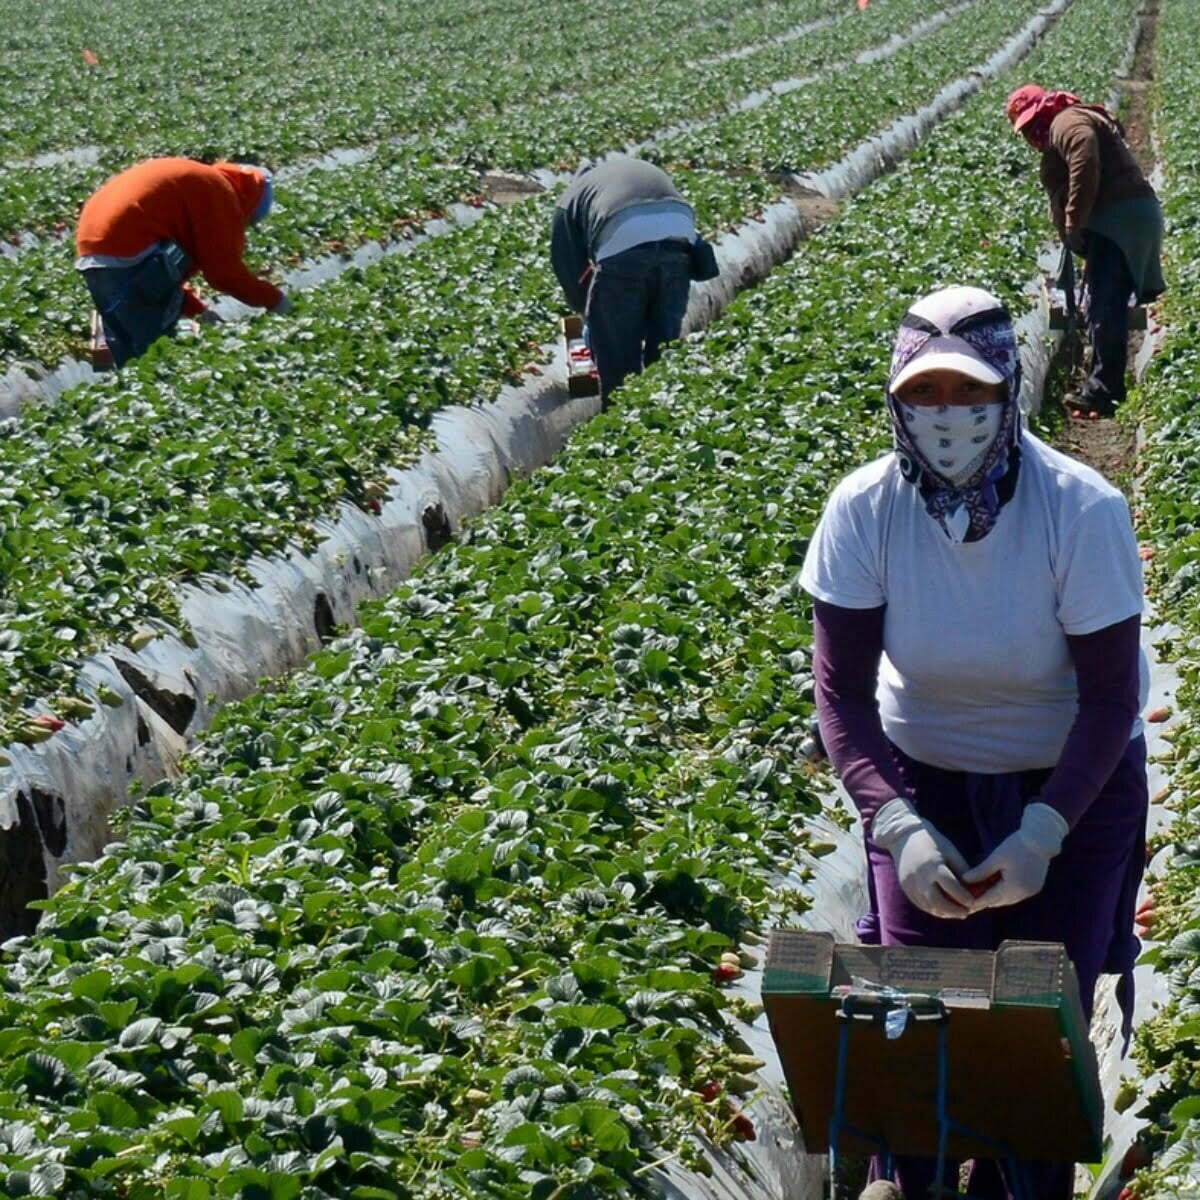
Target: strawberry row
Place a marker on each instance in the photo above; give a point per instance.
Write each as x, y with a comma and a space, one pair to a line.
439, 80
286, 81
442, 917
396, 186
1169, 503
206, 453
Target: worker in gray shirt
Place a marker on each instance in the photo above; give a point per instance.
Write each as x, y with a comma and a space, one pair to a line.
624, 248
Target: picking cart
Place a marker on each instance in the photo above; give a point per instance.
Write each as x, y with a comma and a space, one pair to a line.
946, 1054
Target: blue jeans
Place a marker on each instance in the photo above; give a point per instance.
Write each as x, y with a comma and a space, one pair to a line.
138, 304
636, 303
1110, 284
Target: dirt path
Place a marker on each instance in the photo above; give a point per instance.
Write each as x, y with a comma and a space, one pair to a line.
1108, 444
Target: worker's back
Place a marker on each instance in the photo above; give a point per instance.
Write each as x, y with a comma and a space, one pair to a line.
167, 199
1071, 133
598, 193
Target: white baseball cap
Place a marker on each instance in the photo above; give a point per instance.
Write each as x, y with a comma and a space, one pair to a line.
941, 312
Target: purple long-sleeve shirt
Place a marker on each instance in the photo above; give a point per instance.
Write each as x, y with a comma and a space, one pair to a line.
848, 645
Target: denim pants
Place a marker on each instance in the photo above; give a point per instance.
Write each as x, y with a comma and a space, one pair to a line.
1110, 285
1087, 904
138, 304
636, 303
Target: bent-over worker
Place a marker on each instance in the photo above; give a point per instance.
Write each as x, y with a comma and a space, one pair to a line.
622, 248
1104, 209
977, 601
143, 232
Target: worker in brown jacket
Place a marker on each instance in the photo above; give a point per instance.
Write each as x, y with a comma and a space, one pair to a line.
1104, 209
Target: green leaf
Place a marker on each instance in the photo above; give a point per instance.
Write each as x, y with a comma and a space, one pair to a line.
115, 1110
187, 1189
462, 868
327, 1158
228, 1103
94, 985
244, 1044
655, 663
187, 1129
116, 1014
589, 1016
76, 1055
1185, 1110
140, 1033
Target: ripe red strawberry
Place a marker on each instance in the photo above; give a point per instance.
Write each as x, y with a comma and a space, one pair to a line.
709, 1091
1136, 1157
1146, 915
743, 1128
977, 889
725, 973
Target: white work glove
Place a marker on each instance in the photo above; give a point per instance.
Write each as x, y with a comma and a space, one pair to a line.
927, 862
1022, 859
209, 317
283, 307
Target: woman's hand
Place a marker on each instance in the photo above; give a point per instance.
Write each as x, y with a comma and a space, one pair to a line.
1022, 859
928, 863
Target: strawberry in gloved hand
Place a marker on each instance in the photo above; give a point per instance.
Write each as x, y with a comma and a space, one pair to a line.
1022, 860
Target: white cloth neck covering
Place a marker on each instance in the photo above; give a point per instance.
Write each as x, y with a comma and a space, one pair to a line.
953, 439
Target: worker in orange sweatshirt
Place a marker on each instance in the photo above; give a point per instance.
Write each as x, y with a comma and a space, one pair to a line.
148, 229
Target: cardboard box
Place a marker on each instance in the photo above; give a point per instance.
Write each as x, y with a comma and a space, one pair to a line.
582, 379
98, 352
1022, 1070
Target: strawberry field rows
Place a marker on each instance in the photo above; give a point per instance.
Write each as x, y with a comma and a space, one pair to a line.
443, 915
300, 81
398, 184
37, 196
207, 452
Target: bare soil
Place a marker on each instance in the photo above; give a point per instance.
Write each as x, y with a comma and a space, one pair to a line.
1136, 114
1106, 444
815, 208
504, 189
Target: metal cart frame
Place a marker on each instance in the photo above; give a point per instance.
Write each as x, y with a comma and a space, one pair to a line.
892, 1012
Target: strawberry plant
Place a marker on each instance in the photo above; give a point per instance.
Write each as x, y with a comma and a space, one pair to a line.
1169, 505
206, 453
393, 186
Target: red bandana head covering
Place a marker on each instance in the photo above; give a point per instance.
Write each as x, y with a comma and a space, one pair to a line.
1030, 109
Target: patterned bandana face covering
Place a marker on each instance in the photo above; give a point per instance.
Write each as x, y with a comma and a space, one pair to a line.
955, 439
967, 503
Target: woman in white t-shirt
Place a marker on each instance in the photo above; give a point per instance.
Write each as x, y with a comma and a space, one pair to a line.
977, 604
